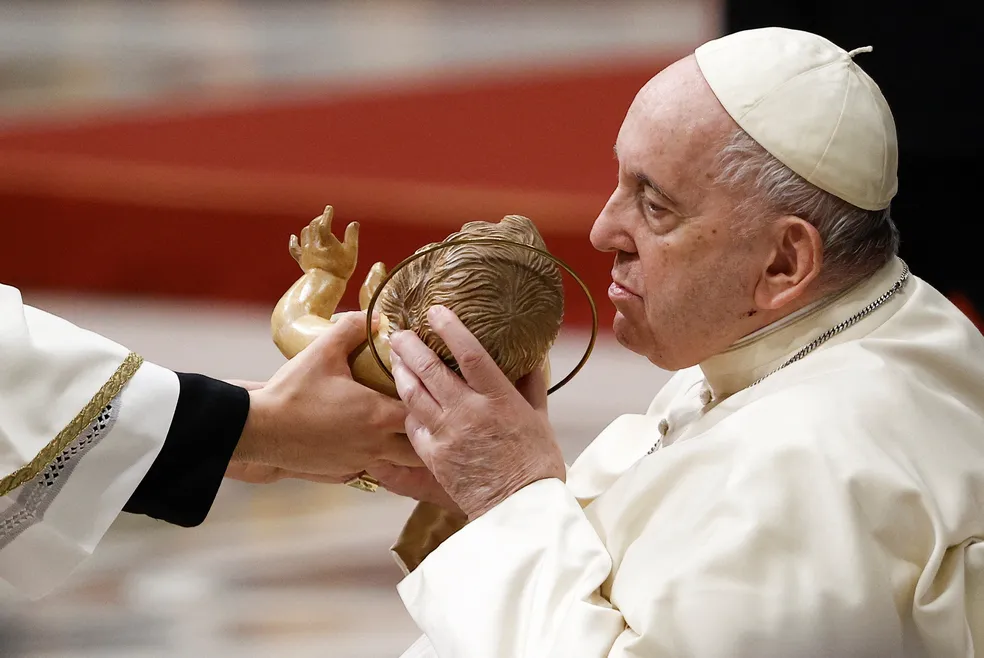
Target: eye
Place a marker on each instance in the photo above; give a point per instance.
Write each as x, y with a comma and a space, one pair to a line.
651, 206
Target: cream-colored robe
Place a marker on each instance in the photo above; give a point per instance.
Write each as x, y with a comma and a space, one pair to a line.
835, 509
50, 370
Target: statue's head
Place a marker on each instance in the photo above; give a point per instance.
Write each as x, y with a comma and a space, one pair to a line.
510, 298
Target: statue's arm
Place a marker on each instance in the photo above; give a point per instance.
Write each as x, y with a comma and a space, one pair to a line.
306, 309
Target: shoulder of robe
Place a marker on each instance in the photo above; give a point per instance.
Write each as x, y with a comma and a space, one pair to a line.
882, 430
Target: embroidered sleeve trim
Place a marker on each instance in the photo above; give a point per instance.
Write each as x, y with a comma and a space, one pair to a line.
84, 419
34, 498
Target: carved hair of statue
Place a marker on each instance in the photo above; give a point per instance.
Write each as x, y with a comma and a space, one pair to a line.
510, 298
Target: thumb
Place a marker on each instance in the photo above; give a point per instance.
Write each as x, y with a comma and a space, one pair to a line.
346, 333
533, 387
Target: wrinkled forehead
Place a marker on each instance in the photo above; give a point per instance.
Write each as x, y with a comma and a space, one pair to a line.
675, 121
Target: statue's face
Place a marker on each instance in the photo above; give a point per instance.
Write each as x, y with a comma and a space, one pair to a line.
511, 298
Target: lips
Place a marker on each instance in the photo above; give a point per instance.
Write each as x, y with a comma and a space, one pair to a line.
625, 287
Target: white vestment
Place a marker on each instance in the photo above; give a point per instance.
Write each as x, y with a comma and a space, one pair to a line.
834, 509
66, 496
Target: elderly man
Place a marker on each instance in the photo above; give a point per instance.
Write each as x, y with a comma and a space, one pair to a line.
811, 481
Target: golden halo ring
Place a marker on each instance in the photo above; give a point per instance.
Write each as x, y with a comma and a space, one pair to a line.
486, 241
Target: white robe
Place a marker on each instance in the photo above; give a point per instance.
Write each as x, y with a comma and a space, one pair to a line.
49, 371
835, 509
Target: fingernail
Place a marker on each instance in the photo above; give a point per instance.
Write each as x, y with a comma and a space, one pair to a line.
397, 338
402, 380
438, 313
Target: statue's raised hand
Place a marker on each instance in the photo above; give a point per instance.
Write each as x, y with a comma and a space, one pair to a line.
319, 249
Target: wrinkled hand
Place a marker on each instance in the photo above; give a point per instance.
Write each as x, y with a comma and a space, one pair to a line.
319, 249
312, 420
482, 438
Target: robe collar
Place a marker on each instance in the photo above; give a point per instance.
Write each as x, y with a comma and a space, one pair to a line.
761, 352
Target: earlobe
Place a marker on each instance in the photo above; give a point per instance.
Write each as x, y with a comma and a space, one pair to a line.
793, 264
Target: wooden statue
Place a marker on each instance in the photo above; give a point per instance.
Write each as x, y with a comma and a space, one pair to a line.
510, 298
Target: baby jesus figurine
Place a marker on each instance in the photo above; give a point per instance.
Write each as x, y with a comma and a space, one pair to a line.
509, 297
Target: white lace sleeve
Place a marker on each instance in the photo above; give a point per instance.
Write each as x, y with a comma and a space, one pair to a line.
27, 505
82, 420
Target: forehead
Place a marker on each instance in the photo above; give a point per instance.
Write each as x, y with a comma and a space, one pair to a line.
675, 126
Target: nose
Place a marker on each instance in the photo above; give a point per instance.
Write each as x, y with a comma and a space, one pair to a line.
607, 232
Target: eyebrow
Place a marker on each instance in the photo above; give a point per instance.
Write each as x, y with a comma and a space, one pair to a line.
654, 186
650, 183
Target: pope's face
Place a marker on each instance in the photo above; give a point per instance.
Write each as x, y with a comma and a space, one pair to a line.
683, 278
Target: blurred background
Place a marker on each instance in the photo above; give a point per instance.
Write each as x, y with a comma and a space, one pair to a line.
155, 157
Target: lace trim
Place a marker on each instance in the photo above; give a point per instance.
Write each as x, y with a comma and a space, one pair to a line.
35, 496
84, 418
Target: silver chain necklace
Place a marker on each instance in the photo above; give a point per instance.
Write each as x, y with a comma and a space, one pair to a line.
827, 335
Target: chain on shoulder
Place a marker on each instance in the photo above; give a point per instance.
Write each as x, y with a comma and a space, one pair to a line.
850, 322
830, 333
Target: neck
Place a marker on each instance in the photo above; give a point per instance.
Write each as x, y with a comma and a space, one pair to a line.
793, 313
765, 349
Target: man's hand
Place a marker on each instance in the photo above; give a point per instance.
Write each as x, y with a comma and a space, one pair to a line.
313, 421
414, 482
481, 437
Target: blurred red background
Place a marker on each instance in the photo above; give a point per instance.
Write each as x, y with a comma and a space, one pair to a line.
199, 203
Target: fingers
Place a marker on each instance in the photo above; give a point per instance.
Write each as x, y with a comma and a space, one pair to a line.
477, 367
389, 415
416, 430
248, 385
346, 333
322, 479
376, 275
352, 235
393, 478
413, 392
420, 438
416, 483
399, 450
295, 248
324, 224
444, 386
533, 387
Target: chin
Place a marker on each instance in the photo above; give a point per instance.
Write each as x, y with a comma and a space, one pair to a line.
628, 335
642, 343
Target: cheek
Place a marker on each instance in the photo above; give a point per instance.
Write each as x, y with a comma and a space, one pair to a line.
680, 271
661, 261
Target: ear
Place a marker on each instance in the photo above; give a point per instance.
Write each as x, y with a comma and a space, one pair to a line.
794, 263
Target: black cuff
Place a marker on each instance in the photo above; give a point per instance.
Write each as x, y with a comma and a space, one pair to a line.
208, 421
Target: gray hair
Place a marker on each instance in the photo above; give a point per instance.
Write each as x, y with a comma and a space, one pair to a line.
856, 242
